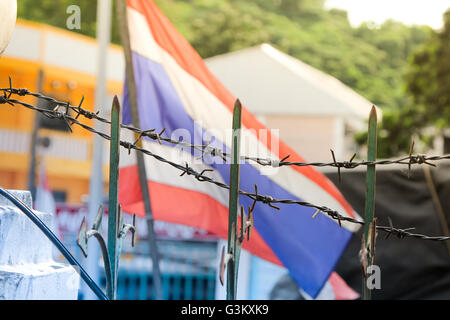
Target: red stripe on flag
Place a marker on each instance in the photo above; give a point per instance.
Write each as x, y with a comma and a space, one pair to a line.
341, 289
178, 47
183, 206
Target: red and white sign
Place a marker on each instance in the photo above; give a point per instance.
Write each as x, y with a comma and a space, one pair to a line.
69, 219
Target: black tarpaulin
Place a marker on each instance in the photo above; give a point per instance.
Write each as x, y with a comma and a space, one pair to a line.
410, 268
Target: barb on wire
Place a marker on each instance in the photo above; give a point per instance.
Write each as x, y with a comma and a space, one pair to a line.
79, 111
200, 176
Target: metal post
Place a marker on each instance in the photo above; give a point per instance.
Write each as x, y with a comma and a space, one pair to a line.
233, 245
114, 218
96, 180
369, 229
34, 142
121, 11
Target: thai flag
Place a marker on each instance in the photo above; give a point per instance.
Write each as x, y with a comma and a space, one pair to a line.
176, 91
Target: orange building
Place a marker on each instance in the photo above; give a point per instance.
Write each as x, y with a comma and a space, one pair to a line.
68, 64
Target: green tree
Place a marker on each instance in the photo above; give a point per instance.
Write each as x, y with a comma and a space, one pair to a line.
429, 78
426, 101
310, 11
225, 29
371, 59
55, 13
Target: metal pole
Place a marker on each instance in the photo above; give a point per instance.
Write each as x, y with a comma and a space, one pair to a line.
121, 11
369, 229
114, 211
234, 246
34, 142
96, 181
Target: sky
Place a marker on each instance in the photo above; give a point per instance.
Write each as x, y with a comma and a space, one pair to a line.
427, 12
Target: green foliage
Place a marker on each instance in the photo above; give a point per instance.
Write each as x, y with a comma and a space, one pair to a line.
429, 78
371, 59
55, 13
427, 97
237, 29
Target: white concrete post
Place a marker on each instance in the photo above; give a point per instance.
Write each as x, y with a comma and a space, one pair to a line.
27, 268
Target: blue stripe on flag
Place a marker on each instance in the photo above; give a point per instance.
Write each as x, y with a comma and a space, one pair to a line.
308, 248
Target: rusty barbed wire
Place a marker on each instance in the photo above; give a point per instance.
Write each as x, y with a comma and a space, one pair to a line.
151, 133
64, 115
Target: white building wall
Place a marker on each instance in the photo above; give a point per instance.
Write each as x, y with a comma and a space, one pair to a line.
311, 137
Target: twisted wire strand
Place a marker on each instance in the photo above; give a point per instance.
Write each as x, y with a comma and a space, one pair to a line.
214, 151
201, 177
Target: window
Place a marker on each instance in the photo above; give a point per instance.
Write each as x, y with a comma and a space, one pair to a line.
446, 144
48, 123
60, 196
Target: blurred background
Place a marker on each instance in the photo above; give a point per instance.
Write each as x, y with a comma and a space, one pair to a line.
300, 66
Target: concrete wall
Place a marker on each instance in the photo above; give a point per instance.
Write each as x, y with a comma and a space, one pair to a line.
27, 269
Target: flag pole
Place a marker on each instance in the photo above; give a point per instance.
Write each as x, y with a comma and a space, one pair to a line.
121, 11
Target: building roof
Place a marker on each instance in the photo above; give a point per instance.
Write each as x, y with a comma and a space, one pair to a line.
269, 81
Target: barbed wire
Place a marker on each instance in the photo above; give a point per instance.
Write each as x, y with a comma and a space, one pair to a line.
207, 149
55, 113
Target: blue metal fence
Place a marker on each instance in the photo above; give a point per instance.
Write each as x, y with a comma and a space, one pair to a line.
139, 286
188, 272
